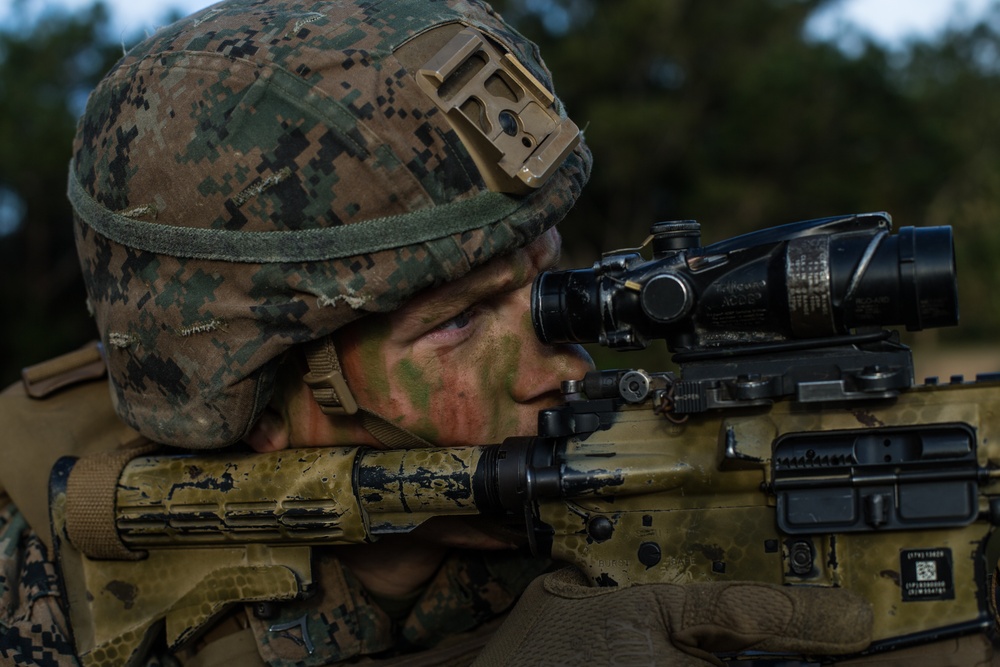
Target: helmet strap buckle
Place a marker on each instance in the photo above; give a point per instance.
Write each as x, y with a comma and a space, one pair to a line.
326, 379
330, 390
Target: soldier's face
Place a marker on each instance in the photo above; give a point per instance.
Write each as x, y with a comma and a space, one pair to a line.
458, 365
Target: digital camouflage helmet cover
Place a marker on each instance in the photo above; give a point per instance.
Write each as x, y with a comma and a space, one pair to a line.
258, 174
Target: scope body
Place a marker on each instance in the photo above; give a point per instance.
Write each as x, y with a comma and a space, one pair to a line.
806, 280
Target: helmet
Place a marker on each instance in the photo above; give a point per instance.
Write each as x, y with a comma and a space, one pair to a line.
260, 173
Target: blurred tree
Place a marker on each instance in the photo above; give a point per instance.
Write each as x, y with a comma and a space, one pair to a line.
46, 71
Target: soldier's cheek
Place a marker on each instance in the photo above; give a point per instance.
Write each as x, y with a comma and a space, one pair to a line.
459, 410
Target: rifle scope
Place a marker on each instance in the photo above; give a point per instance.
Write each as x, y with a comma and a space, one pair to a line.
807, 280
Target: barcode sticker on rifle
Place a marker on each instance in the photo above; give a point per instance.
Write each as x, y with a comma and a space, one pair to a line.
926, 570
926, 574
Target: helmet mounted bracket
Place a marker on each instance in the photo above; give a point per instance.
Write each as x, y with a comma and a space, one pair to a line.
505, 117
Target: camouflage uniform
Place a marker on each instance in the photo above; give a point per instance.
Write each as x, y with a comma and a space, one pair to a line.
33, 628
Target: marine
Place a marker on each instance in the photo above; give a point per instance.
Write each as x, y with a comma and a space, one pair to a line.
309, 223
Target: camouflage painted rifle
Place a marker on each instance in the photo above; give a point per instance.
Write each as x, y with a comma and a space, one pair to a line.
802, 458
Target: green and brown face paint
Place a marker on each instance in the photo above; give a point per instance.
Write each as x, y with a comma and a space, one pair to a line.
501, 375
363, 346
412, 381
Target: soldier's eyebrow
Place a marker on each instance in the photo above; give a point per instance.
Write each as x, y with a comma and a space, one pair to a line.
500, 275
450, 299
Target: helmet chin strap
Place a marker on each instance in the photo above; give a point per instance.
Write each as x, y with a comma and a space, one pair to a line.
330, 390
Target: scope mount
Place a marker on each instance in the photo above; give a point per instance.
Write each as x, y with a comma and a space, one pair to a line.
837, 369
844, 368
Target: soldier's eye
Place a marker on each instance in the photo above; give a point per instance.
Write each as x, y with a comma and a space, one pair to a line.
460, 321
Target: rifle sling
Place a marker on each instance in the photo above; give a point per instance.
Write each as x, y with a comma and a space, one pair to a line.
90, 502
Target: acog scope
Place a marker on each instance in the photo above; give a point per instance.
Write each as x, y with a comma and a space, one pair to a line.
808, 280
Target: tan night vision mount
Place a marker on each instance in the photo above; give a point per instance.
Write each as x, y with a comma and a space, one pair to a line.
503, 114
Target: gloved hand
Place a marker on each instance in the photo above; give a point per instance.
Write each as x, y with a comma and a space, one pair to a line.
560, 620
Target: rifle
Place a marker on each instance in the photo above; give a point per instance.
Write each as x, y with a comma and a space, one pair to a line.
792, 448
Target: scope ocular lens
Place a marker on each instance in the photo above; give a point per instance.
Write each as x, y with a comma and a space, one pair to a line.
565, 306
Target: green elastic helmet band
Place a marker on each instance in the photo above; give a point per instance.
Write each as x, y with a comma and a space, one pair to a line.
305, 245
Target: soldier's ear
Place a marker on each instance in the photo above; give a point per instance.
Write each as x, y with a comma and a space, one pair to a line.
269, 434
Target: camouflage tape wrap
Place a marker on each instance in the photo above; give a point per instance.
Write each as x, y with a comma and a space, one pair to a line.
259, 174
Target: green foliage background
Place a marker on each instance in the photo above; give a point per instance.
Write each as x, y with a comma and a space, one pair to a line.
724, 113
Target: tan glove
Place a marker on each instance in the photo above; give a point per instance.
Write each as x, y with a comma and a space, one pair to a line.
560, 620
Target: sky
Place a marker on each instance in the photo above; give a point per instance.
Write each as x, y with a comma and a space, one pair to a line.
892, 22
888, 21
